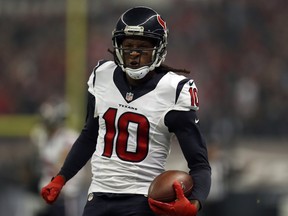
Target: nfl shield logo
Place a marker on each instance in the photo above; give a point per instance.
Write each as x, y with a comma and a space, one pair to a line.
129, 96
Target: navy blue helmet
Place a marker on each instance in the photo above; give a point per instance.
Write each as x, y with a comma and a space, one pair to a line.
141, 22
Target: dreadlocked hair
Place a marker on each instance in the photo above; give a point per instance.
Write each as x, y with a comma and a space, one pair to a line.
166, 68
163, 67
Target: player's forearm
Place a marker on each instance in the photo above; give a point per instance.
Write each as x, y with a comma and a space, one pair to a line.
78, 156
84, 146
202, 184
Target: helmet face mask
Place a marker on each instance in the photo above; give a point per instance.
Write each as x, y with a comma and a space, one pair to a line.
140, 22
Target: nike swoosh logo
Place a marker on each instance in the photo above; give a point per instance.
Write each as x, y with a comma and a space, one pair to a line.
196, 121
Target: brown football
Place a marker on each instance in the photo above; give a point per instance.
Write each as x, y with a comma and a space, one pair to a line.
161, 188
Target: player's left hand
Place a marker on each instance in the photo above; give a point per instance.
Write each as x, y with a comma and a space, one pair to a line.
180, 207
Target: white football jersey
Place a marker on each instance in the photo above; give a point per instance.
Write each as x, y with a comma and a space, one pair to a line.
133, 142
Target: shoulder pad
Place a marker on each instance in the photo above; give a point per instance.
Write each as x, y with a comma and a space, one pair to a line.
188, 96
101, 65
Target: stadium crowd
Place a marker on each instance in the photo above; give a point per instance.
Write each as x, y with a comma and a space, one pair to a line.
236, 50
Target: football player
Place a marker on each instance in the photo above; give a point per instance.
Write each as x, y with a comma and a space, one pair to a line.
135, 105
53, 140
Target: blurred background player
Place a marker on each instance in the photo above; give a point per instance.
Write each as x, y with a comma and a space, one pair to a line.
53, 141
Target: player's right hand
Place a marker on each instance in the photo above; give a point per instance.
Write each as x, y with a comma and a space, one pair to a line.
51, 191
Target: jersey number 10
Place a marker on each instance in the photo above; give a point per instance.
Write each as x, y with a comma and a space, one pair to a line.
121, 134
194, 97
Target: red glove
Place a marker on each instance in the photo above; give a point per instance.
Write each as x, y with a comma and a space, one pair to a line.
180, 207
51, 191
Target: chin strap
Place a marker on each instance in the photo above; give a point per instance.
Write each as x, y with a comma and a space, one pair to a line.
138, 73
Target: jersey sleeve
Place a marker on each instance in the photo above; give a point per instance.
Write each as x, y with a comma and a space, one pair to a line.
92, 78
90, 83
194, 149
84, 146
97, 73
187, 96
